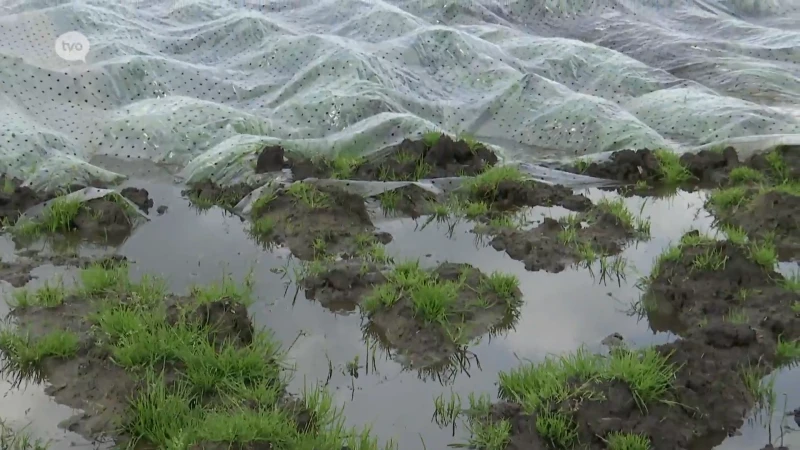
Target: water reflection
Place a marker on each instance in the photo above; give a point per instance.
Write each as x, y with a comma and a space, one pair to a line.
581, 305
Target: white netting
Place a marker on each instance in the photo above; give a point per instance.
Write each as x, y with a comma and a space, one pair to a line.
201, 84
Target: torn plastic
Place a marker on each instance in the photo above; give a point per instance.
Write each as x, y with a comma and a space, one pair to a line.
84, 195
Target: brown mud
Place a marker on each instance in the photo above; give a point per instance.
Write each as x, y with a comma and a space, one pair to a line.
18, 273
107, 394
313, 221
707, 168
554, 245
206, 194
15, 199
399, 315
436, 156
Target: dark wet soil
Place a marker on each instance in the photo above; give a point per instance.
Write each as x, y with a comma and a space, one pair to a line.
545, 246
771, 214
512, 194
635, 166
411, 160
14, 200
206, 194
477, 309
18, 273
313, 220
707, 168
740, 291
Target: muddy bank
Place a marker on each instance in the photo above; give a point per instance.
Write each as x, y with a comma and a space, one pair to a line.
708, 168
426, 315
553, 245
434, 156
154, 368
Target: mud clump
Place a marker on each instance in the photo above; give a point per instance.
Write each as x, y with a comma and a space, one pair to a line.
435, 156
206, 194
553, 245
513, 194
604, 401
427, 315
772, 214
139, 197
412, 201
15, 199
312, 220
702, 281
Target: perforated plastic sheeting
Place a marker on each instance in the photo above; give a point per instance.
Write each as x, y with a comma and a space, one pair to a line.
199, 83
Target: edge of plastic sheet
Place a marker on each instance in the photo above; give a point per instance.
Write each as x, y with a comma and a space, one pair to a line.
436, 186
82, 196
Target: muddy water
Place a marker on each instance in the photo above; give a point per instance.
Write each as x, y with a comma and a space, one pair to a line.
561, 312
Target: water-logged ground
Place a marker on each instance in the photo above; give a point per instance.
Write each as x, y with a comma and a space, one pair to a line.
559, 312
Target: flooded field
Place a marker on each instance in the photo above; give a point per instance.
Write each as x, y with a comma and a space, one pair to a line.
358, 308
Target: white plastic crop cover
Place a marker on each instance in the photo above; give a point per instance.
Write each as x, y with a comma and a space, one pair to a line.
201, 85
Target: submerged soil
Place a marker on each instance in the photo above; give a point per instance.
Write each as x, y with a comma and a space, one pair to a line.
475, 309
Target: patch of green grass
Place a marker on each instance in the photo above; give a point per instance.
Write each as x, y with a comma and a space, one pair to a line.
737, 316
473, 210
25, 353
486, 183
582, 164
744, 174
433, 299
670, 169
791, 282
627, 441
735, 234
557, 429
431, 138
504, 285
220, 392
627, 219
777, 165
390, 200
764, 253
787, 352
343, 166
49, 295
712, 259
728, 199
536, 385
19, 440
308, 194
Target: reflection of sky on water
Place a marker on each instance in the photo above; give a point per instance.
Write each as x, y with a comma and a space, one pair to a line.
561, 311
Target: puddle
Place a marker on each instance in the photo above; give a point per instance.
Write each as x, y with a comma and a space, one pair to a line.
560, 312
